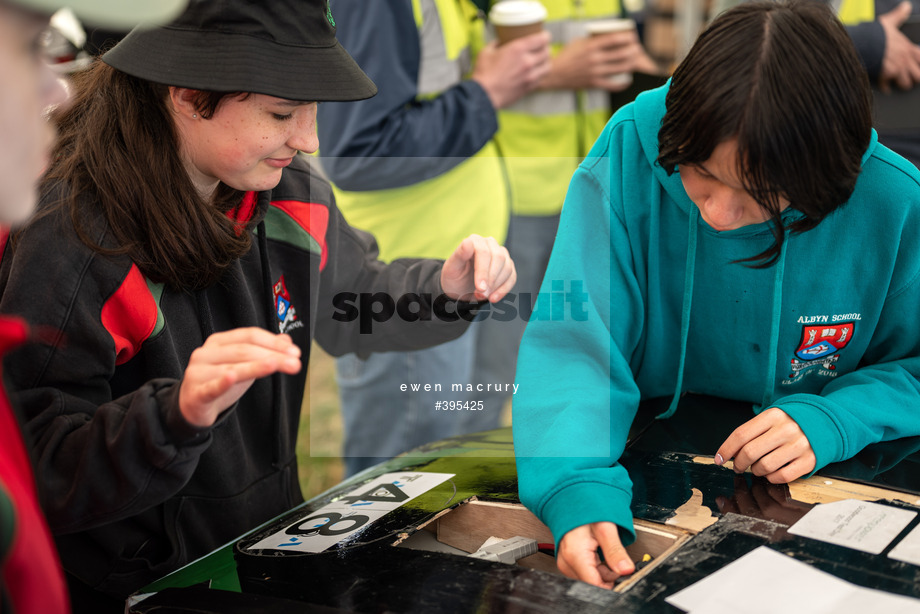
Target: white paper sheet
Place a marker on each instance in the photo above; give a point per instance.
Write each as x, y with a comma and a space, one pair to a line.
767, 582
860, 525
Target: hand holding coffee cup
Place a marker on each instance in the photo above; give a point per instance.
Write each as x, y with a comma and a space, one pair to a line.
513, 65
606, 27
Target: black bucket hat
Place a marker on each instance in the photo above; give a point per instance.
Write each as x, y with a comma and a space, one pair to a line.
283, 48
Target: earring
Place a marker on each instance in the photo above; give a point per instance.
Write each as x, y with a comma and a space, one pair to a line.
194, 116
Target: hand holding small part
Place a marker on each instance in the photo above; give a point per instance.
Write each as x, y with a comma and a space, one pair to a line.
578, 554
771, 445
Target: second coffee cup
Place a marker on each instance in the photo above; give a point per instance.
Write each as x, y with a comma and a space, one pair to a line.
604, 26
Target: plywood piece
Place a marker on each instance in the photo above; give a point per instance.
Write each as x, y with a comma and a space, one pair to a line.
817, 489
693, 515
470, 524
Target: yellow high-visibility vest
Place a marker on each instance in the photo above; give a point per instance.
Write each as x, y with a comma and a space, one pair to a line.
545, 135
852, 12
430, 218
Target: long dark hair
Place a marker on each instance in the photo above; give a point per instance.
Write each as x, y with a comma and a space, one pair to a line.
785, 80
118, 152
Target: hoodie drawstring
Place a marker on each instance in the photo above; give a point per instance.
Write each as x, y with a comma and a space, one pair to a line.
775, 312
689, 273
770, 373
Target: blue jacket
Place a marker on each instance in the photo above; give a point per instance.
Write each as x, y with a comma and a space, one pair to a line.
362, 142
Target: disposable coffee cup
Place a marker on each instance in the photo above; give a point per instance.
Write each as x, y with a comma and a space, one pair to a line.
604, 26
516, 18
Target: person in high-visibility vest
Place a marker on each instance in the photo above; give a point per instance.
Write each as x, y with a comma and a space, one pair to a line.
419, 168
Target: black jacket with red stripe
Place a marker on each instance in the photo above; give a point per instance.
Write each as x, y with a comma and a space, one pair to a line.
131, 490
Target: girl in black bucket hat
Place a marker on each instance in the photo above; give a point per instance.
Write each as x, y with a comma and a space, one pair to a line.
184, 258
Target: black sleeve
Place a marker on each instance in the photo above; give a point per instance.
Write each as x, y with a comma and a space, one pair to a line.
98, 459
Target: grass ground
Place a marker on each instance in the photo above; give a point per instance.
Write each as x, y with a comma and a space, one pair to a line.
320, 437
319, 440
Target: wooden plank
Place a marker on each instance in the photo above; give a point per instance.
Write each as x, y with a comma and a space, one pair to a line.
470, 524
818, 489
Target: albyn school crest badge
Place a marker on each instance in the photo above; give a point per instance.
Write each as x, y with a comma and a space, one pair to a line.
820, 346
287, 315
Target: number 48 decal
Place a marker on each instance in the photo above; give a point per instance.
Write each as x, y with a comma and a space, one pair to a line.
333, 522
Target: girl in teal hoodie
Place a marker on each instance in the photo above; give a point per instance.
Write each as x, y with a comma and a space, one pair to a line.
738, 233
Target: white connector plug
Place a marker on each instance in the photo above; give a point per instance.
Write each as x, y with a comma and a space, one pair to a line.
506, 551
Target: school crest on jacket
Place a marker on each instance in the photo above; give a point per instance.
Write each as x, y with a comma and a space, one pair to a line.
287, 314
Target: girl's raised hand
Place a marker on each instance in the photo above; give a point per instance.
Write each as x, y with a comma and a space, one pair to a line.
222, 369
479, 269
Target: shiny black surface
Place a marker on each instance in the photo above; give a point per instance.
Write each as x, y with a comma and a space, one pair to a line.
736, 535
366, 573
380, 578
701, 424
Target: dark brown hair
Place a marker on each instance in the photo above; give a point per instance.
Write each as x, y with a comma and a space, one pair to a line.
118, 152
785, 80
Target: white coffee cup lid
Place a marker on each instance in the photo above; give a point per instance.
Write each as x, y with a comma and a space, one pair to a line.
610, 25
517, 13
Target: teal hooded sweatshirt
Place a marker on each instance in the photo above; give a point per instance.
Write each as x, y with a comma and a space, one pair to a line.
643, 299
